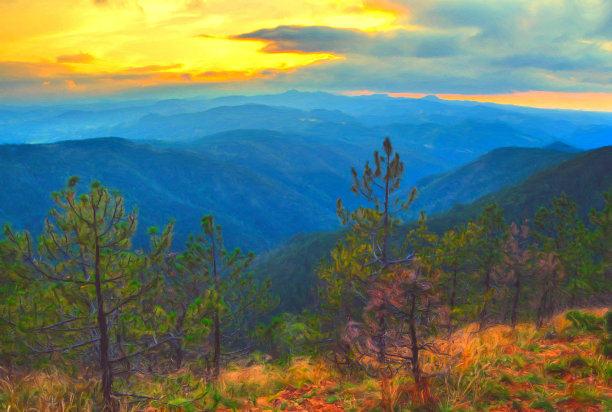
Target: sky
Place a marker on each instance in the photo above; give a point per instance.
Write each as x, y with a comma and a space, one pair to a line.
541, 53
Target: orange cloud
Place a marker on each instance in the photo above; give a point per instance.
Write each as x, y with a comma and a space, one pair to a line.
153, 68
83, 58
399, 11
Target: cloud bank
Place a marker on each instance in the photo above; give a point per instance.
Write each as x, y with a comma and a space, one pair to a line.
434, 47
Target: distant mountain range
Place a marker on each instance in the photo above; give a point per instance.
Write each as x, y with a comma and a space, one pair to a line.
269, 167
315, 114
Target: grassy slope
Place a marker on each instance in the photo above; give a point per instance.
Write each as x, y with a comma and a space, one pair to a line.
498, 369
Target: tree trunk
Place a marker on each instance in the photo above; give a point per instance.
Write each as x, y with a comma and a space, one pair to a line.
414, 345
453, 288
542, 308
179, 342
380, 340
105, 365
487, 284
452, 299
517, 291
386, 217
179, 355
217, 326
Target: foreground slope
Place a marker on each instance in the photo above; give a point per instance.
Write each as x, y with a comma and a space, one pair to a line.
559, 367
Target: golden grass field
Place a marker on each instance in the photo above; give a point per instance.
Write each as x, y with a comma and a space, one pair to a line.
497, 369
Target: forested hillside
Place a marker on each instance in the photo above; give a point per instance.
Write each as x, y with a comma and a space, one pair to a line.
485, 175
259, 208
584, 178
257, 182
401, 312
425, 121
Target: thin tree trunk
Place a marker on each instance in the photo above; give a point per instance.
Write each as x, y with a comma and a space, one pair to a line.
105, 365
381, 321
454, 287
414, 345
517, 291
542, 308
217, 332
179, 354
452, 298
380, 340
179, 342
487, 284
386, 217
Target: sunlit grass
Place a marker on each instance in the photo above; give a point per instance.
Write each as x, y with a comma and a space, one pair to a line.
498, 367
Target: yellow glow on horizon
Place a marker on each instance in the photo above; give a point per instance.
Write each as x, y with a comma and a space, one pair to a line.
112, 43
588, 101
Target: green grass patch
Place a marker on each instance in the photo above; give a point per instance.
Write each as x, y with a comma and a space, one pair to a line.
587, 395
543, 404
495, 391
557, 368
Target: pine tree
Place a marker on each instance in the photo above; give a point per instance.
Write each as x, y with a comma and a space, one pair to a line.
601, 244
92, 281
391, 290
183, 300
454, 255
563, 238
490, 235
234, 299
518, 257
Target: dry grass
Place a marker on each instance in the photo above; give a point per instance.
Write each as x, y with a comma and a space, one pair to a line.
498, 369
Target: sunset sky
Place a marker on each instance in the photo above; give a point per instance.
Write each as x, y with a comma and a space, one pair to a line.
542, 53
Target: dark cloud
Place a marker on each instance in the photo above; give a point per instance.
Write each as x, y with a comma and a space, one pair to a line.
81, 58
603, 30
447, 46
549, 62
309, 39
432, 47
322, 39
467, 46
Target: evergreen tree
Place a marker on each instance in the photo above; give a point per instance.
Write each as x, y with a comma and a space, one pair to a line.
518, 258
392, 289
91, 280
183, 300
601, 244
454, 255
563, 237
234, 300
489, 238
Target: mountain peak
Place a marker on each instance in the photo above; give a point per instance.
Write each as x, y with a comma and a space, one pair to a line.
562, 147
431, 98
